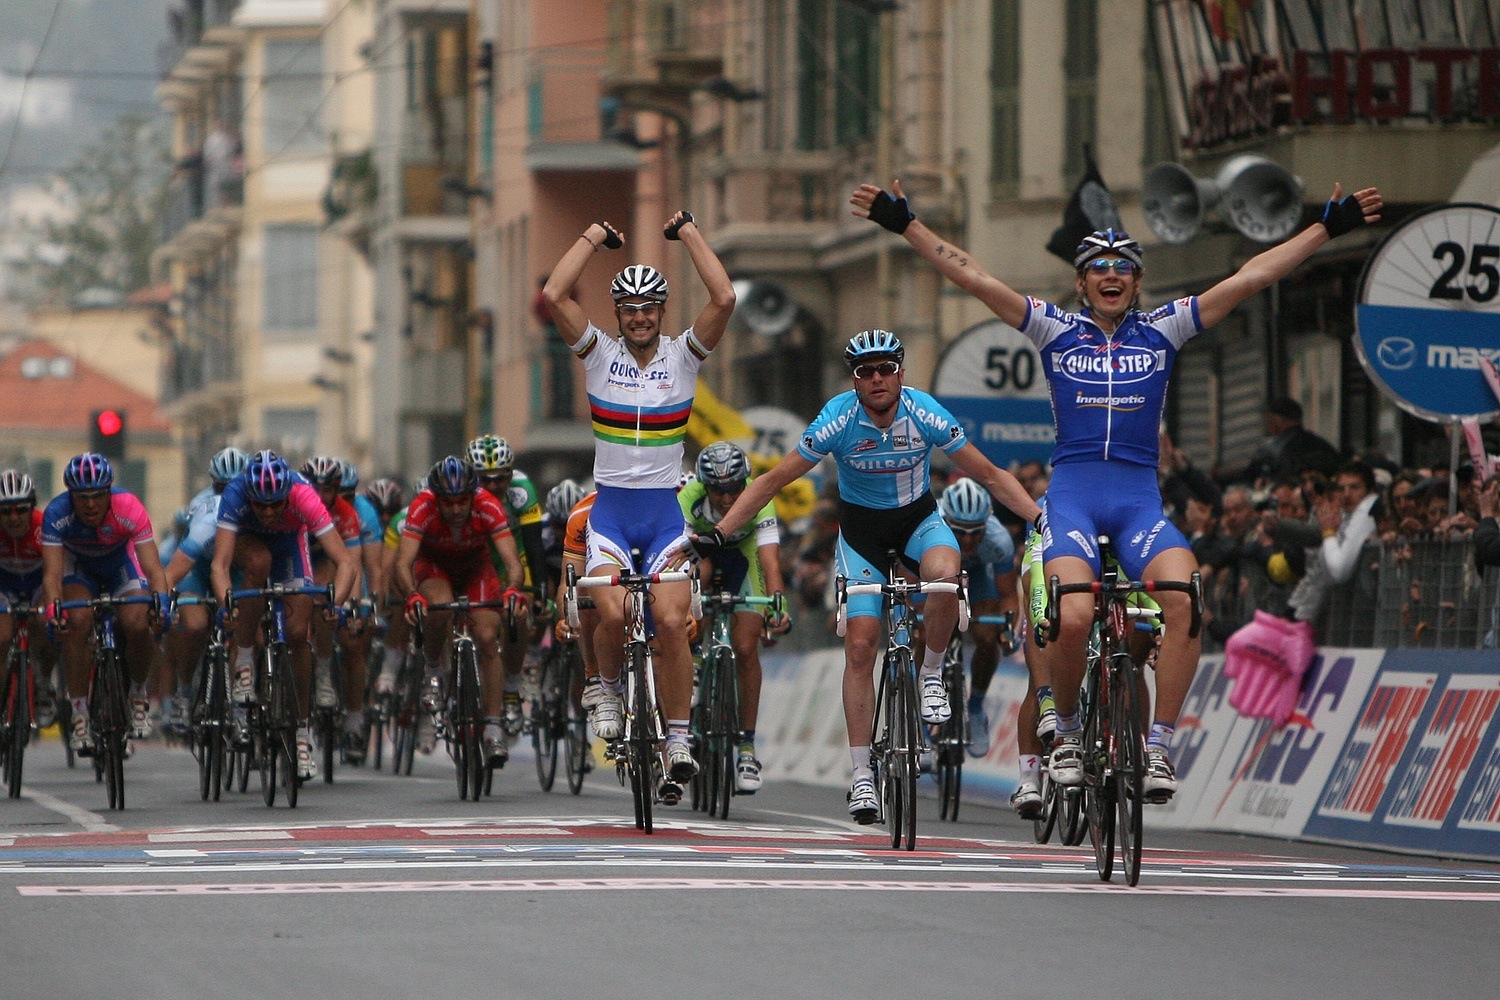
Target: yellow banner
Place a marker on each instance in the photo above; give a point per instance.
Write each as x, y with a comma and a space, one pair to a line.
713, 420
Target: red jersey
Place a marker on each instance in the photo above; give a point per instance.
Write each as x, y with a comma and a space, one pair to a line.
425, 523
346, 522
21, 558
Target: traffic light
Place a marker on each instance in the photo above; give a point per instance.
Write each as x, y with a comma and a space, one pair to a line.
107, 430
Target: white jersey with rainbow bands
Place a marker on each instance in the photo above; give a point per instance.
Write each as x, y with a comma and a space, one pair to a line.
640, 416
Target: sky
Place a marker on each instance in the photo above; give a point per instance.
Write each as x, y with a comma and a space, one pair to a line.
98, 65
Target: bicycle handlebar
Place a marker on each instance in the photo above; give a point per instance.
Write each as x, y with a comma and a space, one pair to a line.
903, 587
632, 579
105, 601
1193, 587
280, 590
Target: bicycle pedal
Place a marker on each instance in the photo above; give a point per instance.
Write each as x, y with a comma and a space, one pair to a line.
1157, 798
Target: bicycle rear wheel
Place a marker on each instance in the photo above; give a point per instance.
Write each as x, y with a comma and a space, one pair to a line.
951, 742
1129, 763
1052, 798
1098, 788
575, 733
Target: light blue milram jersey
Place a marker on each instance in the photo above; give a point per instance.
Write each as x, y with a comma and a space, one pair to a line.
1108, 391
882, 469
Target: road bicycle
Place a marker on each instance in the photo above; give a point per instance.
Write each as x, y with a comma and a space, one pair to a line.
460, 720
211, 736
559, 705
898, 738
109, 705
403, 707
950, 740
635, 752
18, 725
273, 716
716, 716
1115, 710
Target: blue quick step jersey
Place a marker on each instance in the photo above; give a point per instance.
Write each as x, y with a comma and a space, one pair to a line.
888, 468
1108, 391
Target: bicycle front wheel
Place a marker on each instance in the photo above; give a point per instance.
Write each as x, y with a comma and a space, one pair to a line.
725, 715
468, 723
1129, 763
544, 727
1098, 787
951, 742
110, 724
642, 749
575, 733
18, 720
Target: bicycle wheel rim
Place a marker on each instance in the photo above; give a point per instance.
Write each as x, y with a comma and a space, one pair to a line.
913, 742
1046, 820
1097, 788
728, 725
18, 703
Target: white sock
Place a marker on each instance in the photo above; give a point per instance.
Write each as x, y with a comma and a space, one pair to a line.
1031, 767
932, 662
244, 656
860, 758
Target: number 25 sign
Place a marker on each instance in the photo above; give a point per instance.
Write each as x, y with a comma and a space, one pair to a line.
1429, 312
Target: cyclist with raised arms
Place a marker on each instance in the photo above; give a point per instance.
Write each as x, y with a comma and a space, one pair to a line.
188, 573
266, 515
987, 553
1107, 367
749, 564
445, 554
882, 435
641, 386
97, 540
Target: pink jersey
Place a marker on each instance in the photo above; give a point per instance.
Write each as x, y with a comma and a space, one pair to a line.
127, 523
304, 511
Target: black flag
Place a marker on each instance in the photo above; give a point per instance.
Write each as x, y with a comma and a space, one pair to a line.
1090, 209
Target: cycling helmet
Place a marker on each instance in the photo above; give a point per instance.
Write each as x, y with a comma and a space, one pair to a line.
17, 487
1116, 241
723, 464
89, 471
488, 453
387, 495
562, 498
267, 478
322, 470
965, 502
451, 477
869, 344
684, 479
639, 281
348, 476
227, 464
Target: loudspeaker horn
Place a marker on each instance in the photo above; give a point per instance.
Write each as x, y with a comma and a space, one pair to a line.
765, 307
1175, 202
1261, 198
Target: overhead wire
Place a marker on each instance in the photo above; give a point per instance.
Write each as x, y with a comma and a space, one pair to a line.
15, 132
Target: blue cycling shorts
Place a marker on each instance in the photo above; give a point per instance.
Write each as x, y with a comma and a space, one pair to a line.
650, 521
1118, 499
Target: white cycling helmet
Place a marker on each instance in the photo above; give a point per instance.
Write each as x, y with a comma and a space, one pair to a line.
17, 487
228, 463
965, 502
562, 498
639, 281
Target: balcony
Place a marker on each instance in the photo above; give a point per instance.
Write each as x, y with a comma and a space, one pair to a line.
661, 51
198, 374
567, 125
202, 206
191, 27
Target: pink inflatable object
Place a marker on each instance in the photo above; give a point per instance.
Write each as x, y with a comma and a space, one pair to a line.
1266, 660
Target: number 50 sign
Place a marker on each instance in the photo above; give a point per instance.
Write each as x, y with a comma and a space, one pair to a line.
1429, 312
991, 379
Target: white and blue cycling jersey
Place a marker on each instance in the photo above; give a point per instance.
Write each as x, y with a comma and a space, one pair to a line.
995, 556
1108, 391
203, 525
882, 468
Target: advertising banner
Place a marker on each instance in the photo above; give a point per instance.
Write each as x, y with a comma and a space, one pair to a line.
991, 379
1420, 769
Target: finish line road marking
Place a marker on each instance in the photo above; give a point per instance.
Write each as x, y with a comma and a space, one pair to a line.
820, 885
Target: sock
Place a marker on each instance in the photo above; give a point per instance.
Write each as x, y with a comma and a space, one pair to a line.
1161, 736
1044, 697
244, 656
1031, 767
860, 757
81, 708
677, 730
932, 661
747, 740
1068, 725
616, 686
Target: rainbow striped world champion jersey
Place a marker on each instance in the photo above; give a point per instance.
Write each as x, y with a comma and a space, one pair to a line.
640, 415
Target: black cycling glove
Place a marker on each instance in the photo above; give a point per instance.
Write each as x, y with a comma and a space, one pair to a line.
670, 232
1343, 216
1040, 524
612, 239
891, 213
707, 543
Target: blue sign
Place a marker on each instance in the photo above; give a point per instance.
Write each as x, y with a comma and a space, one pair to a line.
991, 379
1429, 312
1431, 361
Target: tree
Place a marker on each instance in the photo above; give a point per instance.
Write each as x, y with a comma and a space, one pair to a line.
116, 190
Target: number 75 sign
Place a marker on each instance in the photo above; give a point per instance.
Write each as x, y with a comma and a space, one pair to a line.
1429, 312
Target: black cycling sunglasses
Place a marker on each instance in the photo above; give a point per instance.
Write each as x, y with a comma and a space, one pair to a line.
885, 368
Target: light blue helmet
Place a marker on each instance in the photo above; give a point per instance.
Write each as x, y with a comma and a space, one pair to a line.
870, 344
965, 502
349, 481
227, 464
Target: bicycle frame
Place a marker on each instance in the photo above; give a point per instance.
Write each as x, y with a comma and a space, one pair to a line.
462, 727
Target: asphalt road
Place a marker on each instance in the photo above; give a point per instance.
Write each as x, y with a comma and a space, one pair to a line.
378, 886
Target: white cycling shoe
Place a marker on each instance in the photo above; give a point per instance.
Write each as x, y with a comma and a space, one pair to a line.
935, 707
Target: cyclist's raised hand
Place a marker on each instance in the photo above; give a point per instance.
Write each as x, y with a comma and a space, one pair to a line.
888, 211
674, 225
613, 238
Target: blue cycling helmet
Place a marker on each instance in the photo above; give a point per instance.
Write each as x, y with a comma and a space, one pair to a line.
350, 479
868, 345
965, 502
452, 477
227, 464
1116, 241
268, 478
89, 471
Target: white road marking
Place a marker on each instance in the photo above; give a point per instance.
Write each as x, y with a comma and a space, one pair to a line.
819, 885
205, 836
91, 822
